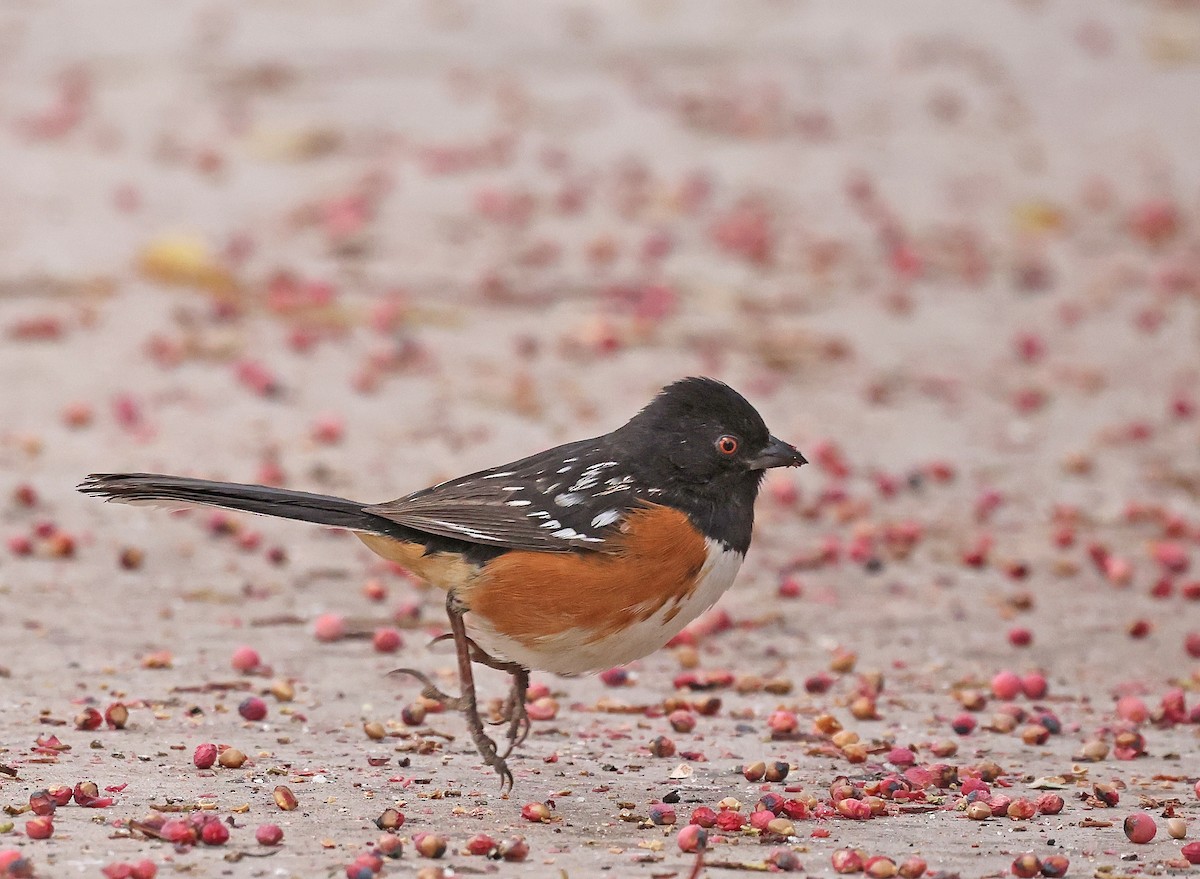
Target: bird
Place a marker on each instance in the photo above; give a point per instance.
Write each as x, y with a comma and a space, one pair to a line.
586, 556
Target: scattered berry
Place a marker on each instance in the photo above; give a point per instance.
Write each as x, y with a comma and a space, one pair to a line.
1140, 827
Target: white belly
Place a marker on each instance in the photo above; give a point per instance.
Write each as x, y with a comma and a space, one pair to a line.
575, 652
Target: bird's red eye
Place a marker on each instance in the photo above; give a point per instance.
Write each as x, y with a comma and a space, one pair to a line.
727, 445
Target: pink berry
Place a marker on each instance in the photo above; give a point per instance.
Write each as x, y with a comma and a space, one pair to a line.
782, 723
615, 677
480, 844
328, 429
1191, 643
514, 849
791, 588
330, 627
663, 814
539, 813
269, 834
178, 831
692, 838
143, 869
847, 860
1140, 827
245, 660
1132, 709
1026, 866
1006, 685
682, 720
1191, 852
387, 640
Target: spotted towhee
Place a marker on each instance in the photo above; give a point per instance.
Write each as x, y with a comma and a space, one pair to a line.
582, 557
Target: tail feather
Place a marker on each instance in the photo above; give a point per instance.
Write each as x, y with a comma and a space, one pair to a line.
135, 488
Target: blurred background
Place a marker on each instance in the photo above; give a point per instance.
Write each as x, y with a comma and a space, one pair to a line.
870, 198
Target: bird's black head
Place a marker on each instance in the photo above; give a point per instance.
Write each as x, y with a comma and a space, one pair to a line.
708, 448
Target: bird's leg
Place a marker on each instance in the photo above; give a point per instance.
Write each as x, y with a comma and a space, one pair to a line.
514, 705
429, 689
519, 724
513, 712
468, 705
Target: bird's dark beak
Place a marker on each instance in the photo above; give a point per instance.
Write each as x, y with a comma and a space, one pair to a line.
778, 454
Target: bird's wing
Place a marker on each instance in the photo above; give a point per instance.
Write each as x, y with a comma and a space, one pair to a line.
567, 498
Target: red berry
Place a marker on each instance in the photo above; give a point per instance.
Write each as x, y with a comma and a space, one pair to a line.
41, 803
89, 719
1054, 866
214, 833
1020, 637
1050, 804
1140, 827
205, 755
252, 708
682, 720
387, 640
1033, 685
41, 827
963, 724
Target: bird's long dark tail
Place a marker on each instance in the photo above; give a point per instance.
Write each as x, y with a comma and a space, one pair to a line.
151, 488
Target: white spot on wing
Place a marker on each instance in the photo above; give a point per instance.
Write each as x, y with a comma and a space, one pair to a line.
553, 523
616, 484
517, 503
499, 475
568, 499
591, 475
463, 529
605, 518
